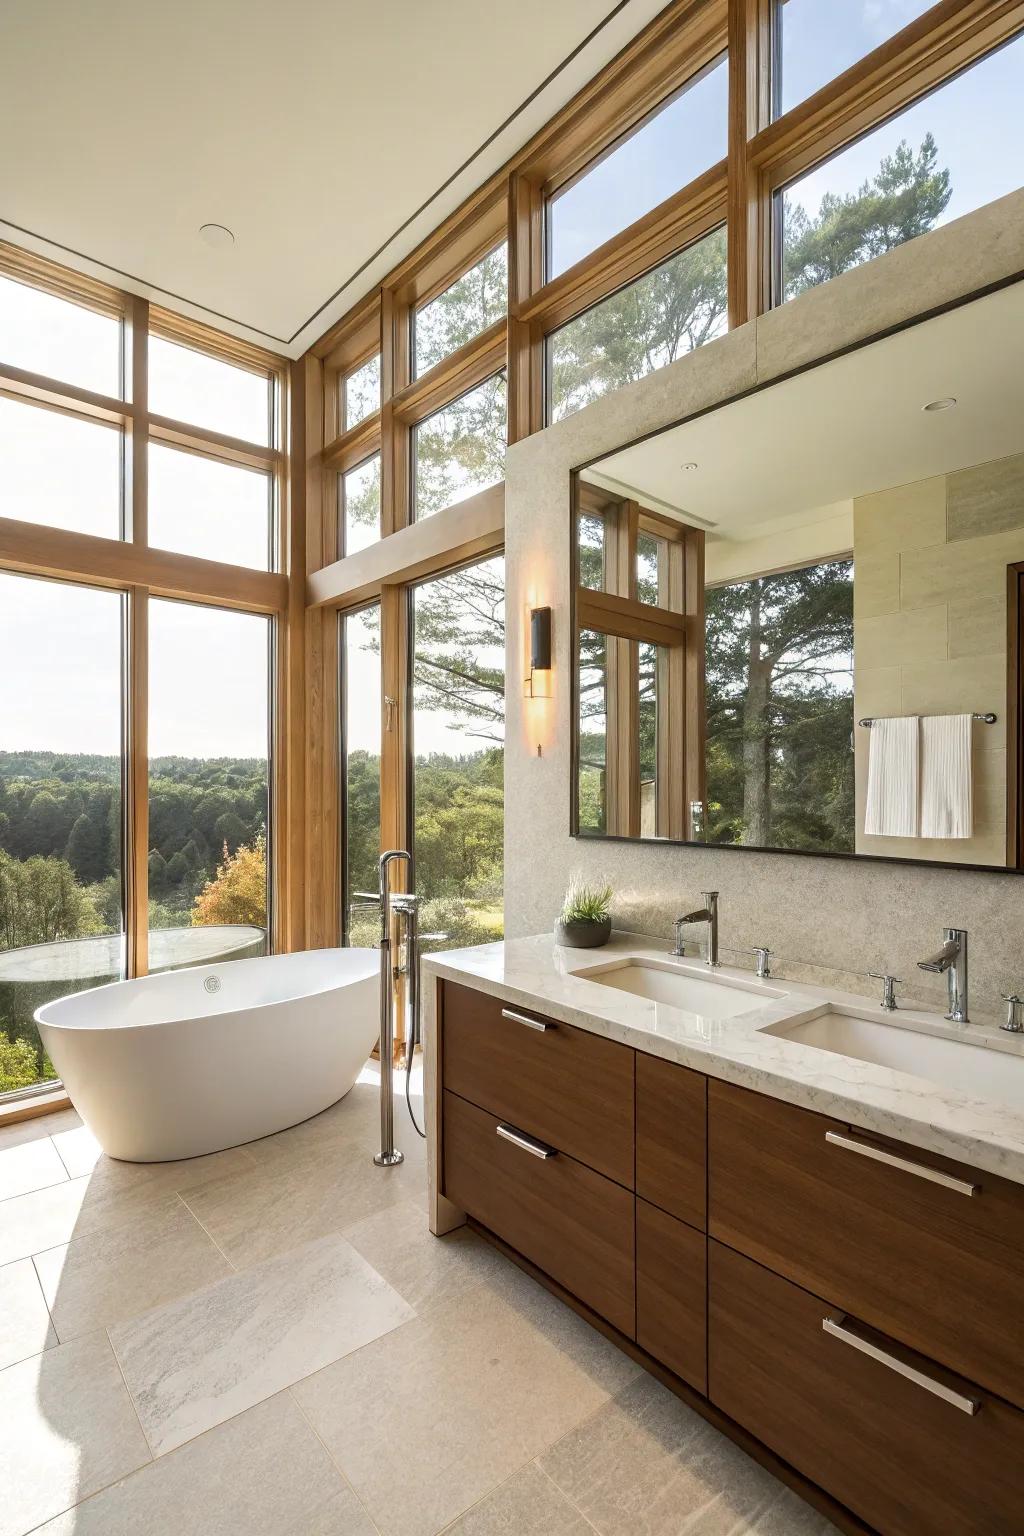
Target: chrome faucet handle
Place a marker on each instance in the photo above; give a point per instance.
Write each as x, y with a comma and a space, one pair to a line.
764, 955
889, 985
1014, 1023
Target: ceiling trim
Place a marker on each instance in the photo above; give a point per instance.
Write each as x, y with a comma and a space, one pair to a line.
299, 340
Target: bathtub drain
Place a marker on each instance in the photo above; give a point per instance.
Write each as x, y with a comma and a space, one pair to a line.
212, 984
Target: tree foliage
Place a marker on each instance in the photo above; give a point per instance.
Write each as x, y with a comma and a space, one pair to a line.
238, 891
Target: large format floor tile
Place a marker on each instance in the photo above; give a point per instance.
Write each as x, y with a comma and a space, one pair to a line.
25, 1327
198, 1361
463, 1397
48, 1217
263, 1474
67, 1429
29, 1164
426, 1270
81, 1154
646, 1465
292, 1199
104, 1279
529, 1504
38, 1126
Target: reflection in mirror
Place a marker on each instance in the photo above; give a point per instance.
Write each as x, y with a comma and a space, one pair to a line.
763, 588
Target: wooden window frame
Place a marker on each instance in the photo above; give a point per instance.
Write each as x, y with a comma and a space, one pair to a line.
140, 571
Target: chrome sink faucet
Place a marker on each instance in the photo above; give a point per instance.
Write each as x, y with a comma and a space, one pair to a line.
952, 958
706, 914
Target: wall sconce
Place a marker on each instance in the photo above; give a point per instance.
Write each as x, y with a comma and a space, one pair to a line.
538, 681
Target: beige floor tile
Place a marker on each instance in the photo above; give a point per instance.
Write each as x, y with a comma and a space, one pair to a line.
529, 1504
48, 1217
82, 1154
198, 1361
28, 1165
38, 1127
263, 1474
425, 1269
293, 1199
468, 1393
25, 1327
341, 1516
67, 1429
646, 1465
104, 1279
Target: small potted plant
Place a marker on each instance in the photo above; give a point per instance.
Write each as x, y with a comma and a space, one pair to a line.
584, 921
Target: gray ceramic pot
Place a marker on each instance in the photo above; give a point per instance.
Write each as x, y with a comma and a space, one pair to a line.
583, 935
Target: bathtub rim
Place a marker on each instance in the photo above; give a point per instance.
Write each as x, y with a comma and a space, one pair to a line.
185, 1018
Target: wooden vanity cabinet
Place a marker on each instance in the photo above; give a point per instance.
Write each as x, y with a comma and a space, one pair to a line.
927, 1250
906, 1461
852, 1303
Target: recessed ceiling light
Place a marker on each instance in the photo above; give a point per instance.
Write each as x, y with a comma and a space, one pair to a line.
945, 404
691, 465
217, 236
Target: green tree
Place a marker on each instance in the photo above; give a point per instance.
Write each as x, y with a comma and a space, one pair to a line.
87, 849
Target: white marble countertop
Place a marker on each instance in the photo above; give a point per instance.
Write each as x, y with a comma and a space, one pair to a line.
536, 973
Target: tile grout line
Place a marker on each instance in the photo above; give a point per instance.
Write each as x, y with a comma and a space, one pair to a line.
330, 1455
63, 1159
562, 1493
131, 1397
46, 1304
233, 1267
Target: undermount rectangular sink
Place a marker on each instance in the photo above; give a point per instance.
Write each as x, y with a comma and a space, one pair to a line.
964, 1065
710, 996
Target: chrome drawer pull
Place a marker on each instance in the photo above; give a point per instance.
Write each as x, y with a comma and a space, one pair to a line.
934, 1175
937, 1388
527, 1143
520, 1018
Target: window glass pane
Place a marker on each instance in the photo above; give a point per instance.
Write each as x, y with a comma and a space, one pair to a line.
60, 806
818, 39
209, 766
465, 309
650, 554
44, 334
59, 470
361, 685
593, 732
461, 449
360, 499
670, 311
943, 157
199, 506
207, 392
648, 722
673, 146
458, 732
780, 763
590, 546
361, 393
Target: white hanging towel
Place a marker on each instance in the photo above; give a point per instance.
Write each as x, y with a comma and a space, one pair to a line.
946, 807
891, 809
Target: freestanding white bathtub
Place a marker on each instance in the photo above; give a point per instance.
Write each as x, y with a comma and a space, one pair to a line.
195, 1060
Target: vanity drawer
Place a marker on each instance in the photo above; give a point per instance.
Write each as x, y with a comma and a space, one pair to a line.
573, 1223
926, 1262
671, 1293
671, 1138
908, 1462
571, 1089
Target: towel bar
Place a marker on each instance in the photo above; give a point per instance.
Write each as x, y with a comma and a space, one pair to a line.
989, 719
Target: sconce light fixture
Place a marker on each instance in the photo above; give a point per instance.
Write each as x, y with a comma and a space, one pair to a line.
538, 682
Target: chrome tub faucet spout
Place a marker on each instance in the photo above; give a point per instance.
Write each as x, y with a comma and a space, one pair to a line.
706, 914
952, 959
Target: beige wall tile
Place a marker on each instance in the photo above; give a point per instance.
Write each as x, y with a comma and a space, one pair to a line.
988, 498
947, 573
876, 583
905, 517
914, 635
967, 684
977, 628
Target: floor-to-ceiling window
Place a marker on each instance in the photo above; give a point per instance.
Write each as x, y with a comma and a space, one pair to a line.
61, 806
137, 643
361, 748
457, 742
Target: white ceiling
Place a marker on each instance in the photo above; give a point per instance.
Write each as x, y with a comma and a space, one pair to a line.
845, 429
314, 129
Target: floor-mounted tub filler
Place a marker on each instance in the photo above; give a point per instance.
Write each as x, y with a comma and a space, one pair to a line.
196, 1060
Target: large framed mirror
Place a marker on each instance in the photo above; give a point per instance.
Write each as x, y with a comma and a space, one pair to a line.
799, 617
